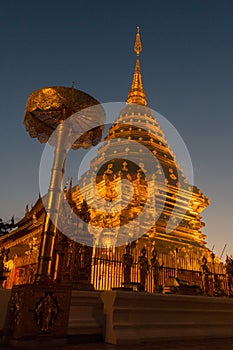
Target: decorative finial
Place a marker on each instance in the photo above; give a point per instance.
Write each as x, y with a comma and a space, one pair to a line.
136, 93
138, 44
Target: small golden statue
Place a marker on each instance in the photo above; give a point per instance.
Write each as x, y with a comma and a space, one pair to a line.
127, 262
144, 268
156, 267
206, 272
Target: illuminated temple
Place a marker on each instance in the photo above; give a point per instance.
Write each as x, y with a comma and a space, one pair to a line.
176, 234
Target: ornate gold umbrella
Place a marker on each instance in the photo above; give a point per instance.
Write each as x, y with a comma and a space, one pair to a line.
48, 107
47, 117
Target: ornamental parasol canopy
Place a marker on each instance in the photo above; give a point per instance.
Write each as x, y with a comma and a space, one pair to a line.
48, 107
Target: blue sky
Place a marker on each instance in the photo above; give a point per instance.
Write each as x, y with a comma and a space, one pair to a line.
187, 75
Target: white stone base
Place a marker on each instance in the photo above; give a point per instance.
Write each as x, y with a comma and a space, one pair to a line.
86, 314
136, 317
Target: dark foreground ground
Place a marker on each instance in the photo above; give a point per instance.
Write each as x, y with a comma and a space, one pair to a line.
204, 344
210, 344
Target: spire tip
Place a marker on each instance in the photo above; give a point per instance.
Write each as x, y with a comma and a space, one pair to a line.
136, 93
138, 44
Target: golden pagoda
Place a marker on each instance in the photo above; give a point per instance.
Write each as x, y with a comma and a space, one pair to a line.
176, 234
176, 193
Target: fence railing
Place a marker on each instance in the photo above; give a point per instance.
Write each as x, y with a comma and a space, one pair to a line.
107, 273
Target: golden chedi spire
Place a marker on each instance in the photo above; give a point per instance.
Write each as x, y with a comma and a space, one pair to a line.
136, 93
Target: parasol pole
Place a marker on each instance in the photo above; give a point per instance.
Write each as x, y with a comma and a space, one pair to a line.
54, 198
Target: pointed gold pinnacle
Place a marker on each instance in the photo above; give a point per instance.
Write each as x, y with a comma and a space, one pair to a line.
136, 93
138, 44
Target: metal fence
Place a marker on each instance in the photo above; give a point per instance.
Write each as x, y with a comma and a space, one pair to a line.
107, 273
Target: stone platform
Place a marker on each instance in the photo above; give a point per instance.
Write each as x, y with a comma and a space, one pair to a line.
125, 318
86, 319
136, 317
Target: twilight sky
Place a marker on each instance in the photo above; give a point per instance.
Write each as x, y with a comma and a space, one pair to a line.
187, 74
